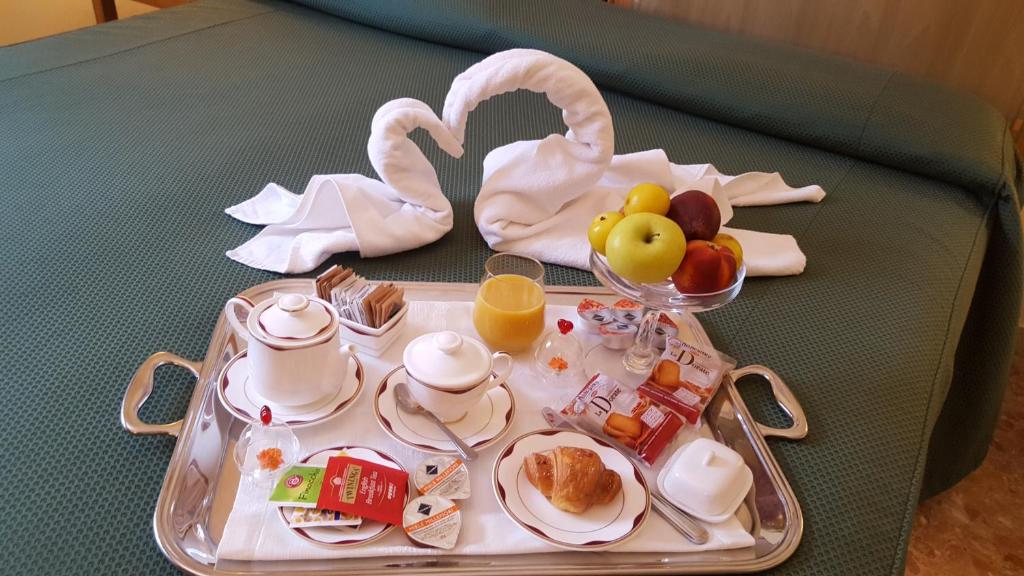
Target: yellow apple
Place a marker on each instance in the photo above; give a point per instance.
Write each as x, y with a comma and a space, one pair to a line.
732, 244
647, 197
599, 229
645, 248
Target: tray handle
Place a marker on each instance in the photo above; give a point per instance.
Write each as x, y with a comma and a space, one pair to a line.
785, 398
141, 387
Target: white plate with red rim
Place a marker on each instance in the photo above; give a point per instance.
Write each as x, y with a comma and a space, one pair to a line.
481, 427
236, 393
600, 526
344, 536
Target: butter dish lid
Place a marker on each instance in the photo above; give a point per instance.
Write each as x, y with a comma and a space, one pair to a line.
707, 479
447, 360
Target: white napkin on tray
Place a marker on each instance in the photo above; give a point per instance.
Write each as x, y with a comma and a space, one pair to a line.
254, 530
345, 212
539, 196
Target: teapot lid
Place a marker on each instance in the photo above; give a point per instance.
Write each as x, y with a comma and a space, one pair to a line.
295, 317
447, 360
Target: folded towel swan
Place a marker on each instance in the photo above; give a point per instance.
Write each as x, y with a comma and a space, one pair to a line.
403, 210
537, 197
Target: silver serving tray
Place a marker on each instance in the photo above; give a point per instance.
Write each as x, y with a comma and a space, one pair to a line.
199, 487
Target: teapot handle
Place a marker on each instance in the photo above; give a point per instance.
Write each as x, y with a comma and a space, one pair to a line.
232, 315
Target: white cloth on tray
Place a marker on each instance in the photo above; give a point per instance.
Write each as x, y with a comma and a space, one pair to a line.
254, 530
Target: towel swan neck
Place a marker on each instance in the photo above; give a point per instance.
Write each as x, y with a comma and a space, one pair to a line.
399, 161
584, 110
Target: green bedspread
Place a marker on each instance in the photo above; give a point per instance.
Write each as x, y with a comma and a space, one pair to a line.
120, 146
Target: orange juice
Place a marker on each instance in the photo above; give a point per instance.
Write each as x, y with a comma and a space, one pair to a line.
509, 312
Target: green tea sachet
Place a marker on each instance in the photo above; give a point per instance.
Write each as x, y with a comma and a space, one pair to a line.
299, 487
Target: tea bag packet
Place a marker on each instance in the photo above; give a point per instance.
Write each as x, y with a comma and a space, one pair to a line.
365, 489
357, 299
334, 276
348, 299
685, 378
299, 487
371, 305
311, 517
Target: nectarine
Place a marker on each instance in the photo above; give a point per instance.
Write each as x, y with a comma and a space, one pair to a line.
706, 267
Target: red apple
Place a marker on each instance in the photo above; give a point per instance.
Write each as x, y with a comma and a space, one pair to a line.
696, 213
706, 267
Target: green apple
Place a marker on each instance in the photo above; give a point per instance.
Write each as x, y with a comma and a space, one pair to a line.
645, 248
599, 229
647, 197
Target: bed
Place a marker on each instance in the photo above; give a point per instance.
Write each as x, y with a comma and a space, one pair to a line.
120, 146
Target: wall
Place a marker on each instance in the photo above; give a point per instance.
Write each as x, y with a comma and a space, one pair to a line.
22, 20
977, 45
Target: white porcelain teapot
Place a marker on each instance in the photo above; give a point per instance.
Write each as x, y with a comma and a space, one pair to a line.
295, 354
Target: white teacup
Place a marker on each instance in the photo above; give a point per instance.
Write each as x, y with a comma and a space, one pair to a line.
449, 373
295, 354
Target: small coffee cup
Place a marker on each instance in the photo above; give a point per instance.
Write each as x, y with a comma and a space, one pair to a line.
449, 373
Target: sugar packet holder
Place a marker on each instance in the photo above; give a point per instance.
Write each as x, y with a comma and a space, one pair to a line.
371, 315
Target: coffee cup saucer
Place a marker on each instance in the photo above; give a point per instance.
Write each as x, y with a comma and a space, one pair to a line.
483, 425
239, 397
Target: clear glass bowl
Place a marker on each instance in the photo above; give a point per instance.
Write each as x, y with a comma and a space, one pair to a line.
257, 437
558, 359
663, 296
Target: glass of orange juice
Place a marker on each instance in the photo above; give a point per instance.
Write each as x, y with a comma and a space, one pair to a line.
509, 308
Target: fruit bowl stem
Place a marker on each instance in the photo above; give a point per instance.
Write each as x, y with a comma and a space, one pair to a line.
640, 357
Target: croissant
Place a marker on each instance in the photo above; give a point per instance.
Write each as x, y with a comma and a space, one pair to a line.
573, 479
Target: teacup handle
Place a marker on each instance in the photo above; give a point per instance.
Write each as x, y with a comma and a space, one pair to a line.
229, 311
500, 374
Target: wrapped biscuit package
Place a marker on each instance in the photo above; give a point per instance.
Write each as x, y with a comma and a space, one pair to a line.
685, 378
607, 408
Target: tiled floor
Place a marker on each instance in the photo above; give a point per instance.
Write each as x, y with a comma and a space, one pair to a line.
977, 527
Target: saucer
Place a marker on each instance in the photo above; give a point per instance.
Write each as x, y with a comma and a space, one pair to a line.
236, 393
340, 537
600, 526
482, 425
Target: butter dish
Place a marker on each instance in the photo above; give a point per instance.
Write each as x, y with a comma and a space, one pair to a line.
706, 479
